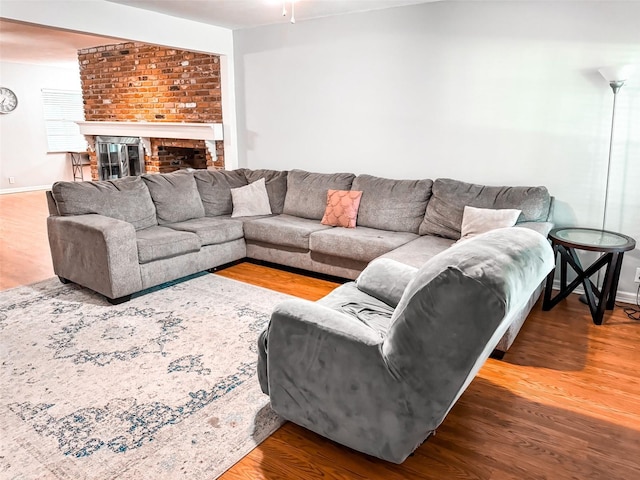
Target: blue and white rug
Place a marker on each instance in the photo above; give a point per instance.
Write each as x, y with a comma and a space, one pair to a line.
161, 387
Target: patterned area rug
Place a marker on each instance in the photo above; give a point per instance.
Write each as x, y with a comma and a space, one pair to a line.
161, 387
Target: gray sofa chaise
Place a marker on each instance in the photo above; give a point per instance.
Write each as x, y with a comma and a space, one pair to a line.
123, 236
413, 340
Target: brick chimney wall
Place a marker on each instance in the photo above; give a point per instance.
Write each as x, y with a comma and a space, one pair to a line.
150, 83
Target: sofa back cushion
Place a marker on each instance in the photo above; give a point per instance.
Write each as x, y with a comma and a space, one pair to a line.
276, 182
215, 187
125, 199
175, 196
445, 208
307, 192
397, 205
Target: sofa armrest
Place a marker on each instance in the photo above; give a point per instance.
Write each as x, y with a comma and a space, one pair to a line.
326, 372
314, 316
97, 252
386, 280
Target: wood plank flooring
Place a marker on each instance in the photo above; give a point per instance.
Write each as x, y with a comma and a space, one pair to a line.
296, 284
24, 246
564, 403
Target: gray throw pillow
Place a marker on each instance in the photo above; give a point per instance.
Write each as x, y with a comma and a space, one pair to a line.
276, 182
476, 221
175, 196
386, 280
251, 200
307, 192
125, 199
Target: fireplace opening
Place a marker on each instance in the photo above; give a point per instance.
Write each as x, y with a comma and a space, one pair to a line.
182, 157
119, 157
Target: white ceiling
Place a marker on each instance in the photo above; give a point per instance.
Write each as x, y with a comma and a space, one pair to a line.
236, 14
25, 43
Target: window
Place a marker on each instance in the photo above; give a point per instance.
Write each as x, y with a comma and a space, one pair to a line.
62, 108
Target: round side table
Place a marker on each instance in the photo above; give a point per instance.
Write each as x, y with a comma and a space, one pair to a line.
612, 245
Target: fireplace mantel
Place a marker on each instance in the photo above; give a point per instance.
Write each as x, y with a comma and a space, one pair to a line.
209, 132
190, 131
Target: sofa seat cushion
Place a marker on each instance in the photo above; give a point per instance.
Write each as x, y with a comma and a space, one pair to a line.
307, 192
360, 243
175, 196
370, 311
211, 230
387, 204
125, 199
417, 252
445, 209
284, 230
156, 243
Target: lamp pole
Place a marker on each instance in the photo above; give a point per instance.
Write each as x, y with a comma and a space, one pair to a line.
616, 85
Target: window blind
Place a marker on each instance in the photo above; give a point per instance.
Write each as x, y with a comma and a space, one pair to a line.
62, 108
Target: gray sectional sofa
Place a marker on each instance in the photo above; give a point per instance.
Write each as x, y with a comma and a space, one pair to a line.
123, 236
413, 340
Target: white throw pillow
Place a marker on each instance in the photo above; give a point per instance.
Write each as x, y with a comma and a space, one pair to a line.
481, 220
250, 200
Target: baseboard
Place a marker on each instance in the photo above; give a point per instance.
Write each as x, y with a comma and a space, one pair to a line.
623, 297
24, 189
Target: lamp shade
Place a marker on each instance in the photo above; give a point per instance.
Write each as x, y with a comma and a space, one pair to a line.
619, 73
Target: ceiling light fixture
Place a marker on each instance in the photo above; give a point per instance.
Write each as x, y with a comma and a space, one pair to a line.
293, 10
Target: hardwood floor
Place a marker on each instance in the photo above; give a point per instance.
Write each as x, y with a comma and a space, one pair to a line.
564, 403
24, 245
301, 286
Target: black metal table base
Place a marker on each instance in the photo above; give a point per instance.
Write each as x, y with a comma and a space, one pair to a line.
598, 300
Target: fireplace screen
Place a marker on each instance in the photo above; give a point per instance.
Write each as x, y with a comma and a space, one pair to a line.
119, 157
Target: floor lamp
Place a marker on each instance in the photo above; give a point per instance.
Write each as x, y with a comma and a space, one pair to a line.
616, 76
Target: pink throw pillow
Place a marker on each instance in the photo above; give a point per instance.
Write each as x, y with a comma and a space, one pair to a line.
342, 208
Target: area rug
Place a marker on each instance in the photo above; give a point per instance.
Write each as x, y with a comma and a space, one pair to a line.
161, 387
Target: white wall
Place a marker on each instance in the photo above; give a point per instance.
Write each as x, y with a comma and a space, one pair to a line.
486, 92
23, 149
120, 21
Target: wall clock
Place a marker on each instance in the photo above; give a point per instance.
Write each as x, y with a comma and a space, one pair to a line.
8, 100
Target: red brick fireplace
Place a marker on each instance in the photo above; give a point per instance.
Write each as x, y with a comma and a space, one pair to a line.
132, 83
